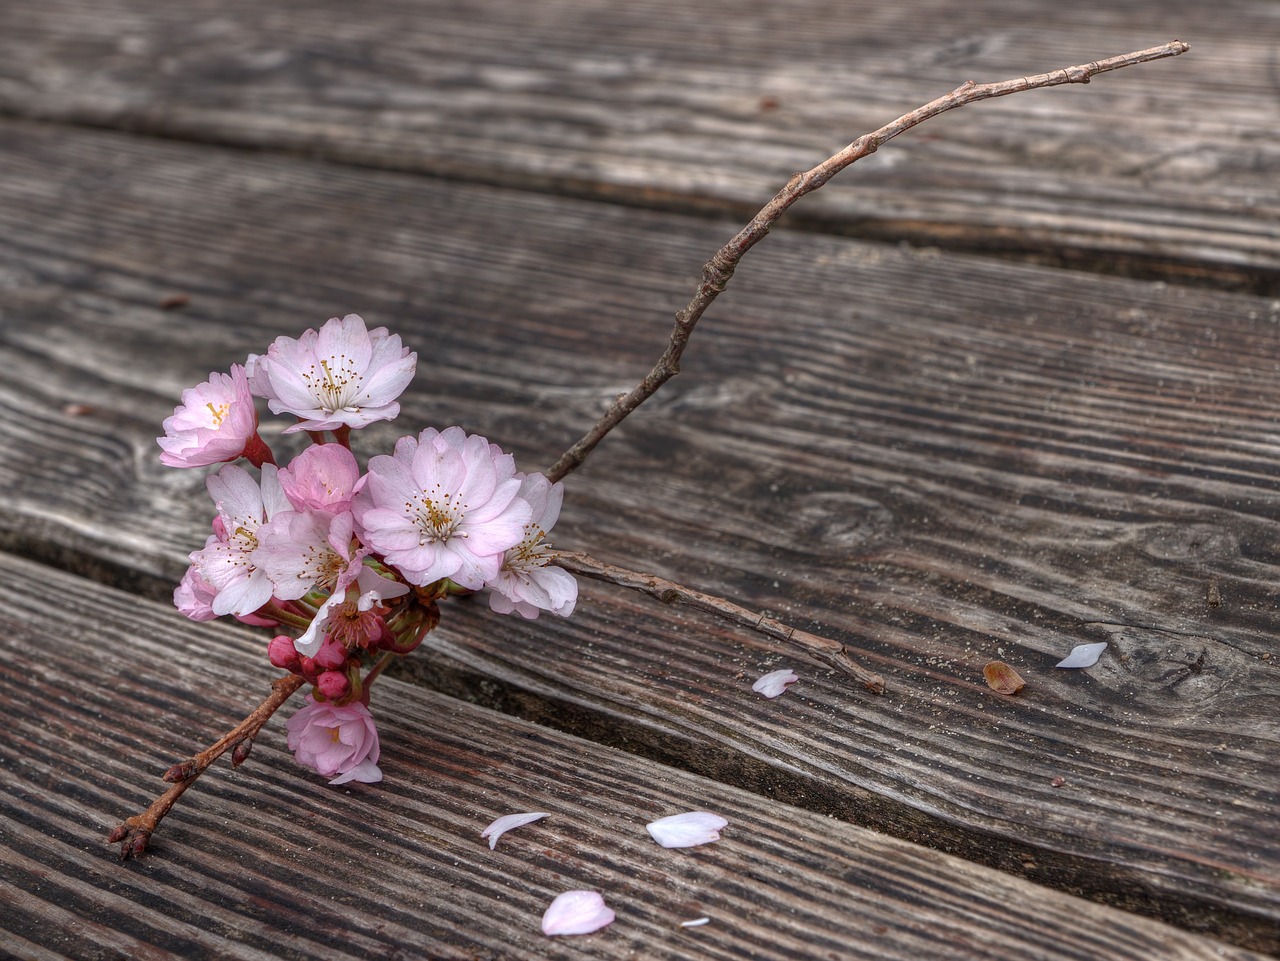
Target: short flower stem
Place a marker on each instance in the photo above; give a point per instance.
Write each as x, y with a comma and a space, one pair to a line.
824, 649
134, 833
285, 615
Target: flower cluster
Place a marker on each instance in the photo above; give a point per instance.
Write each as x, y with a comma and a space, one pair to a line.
352, 562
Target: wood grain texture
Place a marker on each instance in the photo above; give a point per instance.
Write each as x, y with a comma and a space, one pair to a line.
937, 459
268, 862
1166, 170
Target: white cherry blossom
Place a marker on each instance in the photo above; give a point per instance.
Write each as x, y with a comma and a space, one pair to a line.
227, 565
526, 584
343, 375
443, 505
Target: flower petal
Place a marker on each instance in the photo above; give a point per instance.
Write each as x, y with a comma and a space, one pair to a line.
1083, 655
687, 830
366, 772
775, 682
508, 822
576, 912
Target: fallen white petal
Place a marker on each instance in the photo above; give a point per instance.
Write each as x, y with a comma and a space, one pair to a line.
775, 682
695, 923
687, 830
1083, 655
506, 823
576, 912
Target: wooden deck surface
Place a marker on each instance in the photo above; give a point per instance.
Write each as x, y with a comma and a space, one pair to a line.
1010, 385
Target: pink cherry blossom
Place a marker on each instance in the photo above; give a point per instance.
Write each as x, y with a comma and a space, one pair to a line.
215, 422
775, 682
341, 376
226, 563
321, 478
687, 830
576, 912
443, 505
339, 742
193, 597
526, 584
282, 653
509, 822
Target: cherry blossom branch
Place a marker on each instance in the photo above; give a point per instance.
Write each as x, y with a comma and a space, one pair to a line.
824, 649
717, 271
135, 832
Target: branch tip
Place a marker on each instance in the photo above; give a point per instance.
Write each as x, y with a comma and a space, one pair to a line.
726, 260
134, 834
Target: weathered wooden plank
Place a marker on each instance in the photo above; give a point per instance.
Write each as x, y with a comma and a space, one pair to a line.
268, 862
938, 459
1165, 170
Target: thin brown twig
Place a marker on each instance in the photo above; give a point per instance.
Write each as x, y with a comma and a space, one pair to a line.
717, 271
824, 649
134, 834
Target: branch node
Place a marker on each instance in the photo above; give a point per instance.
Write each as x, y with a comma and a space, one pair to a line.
240, 753
182, 771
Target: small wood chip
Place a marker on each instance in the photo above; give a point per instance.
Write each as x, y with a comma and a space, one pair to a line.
1213, 594
1003, 679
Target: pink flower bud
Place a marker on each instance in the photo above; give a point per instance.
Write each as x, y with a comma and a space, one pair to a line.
332, 656
334, 685
282, 653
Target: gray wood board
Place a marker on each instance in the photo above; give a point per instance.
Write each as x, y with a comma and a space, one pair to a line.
1167, 169
937, 459
269, 862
